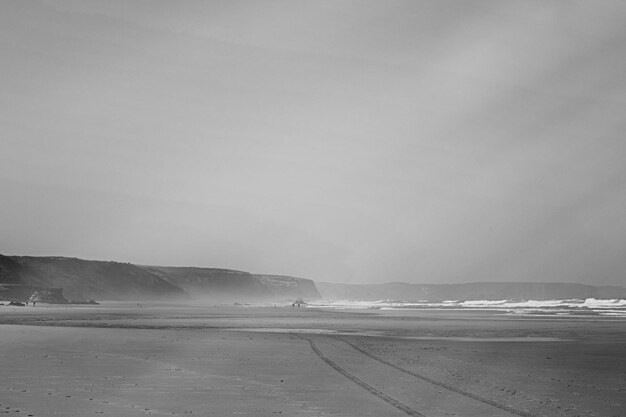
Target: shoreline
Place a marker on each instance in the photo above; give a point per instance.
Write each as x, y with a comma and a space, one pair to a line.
257, 361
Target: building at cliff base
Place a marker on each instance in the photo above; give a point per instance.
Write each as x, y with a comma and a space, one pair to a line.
27, 293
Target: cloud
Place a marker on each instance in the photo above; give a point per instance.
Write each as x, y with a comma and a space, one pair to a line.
345, 141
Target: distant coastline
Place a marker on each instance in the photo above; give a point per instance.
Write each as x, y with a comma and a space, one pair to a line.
80, 280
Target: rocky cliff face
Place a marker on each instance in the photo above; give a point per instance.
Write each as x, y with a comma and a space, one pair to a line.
213, 284
286, 287
94, 280
12, 279
9, 270
83, 280
224, 285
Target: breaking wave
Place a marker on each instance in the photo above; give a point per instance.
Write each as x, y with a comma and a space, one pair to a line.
589, 306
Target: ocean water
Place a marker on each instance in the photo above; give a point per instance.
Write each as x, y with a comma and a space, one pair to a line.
569, 307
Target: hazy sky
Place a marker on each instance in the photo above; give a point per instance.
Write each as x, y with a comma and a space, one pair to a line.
346, 141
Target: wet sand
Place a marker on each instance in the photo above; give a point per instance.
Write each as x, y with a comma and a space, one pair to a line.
121, 360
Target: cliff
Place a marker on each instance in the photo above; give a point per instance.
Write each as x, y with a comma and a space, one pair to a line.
213, 284
94, 280
84, 280
9, 270
287, 287
23, 293
225, 285
13, 288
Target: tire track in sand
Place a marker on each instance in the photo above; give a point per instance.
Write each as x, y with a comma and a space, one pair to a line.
392, 401
435, 382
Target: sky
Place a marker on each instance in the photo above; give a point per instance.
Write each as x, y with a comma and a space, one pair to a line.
338, 140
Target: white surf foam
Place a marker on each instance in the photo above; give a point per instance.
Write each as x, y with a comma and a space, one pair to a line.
589, 306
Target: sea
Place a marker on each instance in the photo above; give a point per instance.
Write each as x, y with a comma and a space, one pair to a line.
568, 307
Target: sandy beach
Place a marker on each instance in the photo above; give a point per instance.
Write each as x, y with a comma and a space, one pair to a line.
120, 360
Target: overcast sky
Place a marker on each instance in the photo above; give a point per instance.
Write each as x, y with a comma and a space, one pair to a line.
344, 141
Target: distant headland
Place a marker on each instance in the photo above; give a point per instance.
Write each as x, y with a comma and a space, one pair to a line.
57, 279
